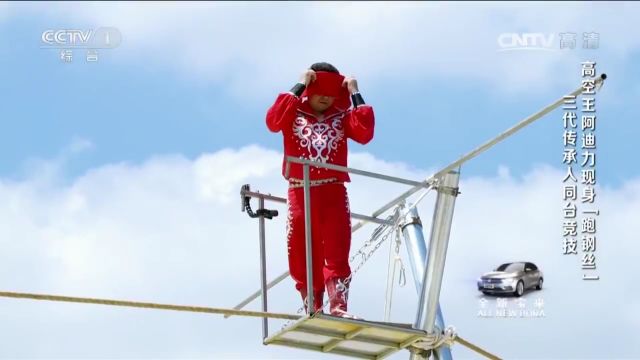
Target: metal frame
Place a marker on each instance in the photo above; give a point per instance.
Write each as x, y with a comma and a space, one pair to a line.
307, 206
446, 180
431, 181
292, 159
284, 275
282, 200
264, 286
337, 332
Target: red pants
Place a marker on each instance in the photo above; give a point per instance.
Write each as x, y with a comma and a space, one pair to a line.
330, 234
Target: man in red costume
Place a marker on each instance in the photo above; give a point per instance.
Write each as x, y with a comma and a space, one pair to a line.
316, 118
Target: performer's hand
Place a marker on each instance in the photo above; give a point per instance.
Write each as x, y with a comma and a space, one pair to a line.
351, 83
307, 77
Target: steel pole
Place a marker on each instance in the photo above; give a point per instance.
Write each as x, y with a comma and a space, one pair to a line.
307, 235
417, 249
438, 242
263, 271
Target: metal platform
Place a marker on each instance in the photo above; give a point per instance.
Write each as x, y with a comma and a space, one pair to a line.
355, 338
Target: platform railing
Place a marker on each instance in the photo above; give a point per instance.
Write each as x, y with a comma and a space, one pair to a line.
306, 181
306, 185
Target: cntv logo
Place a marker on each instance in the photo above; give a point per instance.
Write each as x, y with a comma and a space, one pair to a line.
100, 38
526, 41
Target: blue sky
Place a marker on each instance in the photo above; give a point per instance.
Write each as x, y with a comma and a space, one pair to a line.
131, 110
119, 179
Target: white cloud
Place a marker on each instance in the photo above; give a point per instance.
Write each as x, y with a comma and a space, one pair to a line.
79, 145
170, 230
257, 48
43, 173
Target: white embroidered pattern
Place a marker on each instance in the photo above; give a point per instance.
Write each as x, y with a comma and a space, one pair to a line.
320, 138
289, 223
342, 290
289, 228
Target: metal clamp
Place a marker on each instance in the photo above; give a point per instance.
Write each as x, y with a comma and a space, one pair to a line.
448, 190
410, 220
246, 206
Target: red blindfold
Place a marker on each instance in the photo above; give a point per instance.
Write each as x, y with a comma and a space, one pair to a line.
330, 84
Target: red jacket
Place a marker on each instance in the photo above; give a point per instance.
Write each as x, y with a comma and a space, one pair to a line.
319, 140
